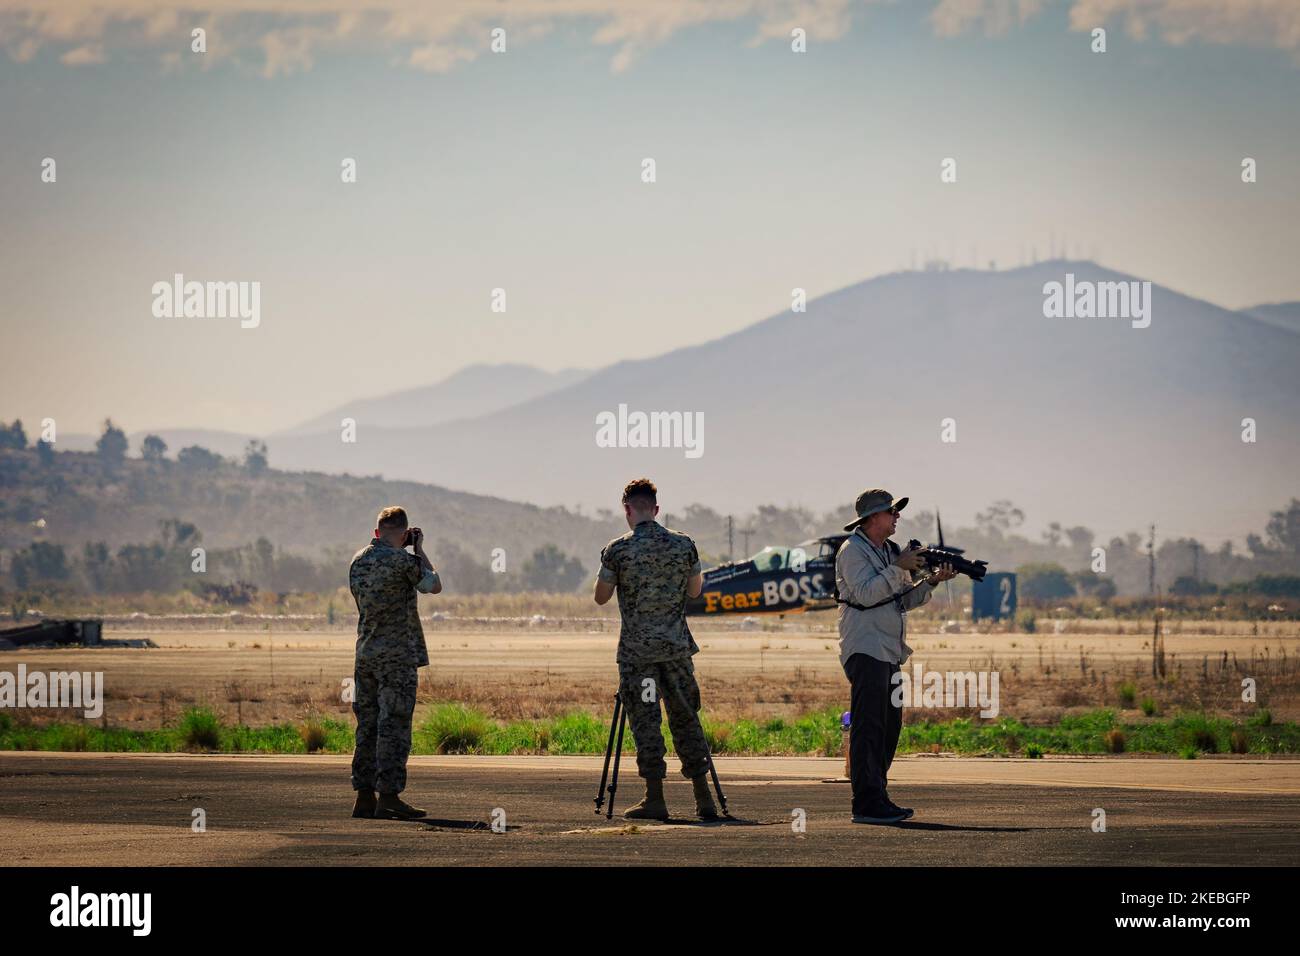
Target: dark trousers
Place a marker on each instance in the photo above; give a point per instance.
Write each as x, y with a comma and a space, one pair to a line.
873, 732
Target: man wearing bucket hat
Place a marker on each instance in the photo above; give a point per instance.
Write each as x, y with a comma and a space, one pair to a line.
876, 586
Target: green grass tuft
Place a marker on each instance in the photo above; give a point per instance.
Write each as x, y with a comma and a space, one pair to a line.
314, 735
1127, 695
200, 729
449, 728
455, 729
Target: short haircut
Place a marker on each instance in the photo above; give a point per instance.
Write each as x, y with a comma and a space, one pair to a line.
391, 517
641, 493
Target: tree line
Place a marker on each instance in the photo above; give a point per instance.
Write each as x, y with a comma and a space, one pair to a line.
1057, 563
176, 561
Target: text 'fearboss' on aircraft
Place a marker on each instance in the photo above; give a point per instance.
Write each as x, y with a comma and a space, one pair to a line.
802, 578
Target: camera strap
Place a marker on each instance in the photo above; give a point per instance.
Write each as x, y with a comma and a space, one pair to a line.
895, 599
865, 607
889, 600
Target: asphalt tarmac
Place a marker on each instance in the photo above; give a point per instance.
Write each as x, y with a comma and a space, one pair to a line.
66, 809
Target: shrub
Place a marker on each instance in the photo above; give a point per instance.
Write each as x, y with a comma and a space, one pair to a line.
1044, 582
1127, 694
1149, 706
1269, 585
718, 736
1115, 741
456, 729
313, 735
200, 729
1187, 586
580, 732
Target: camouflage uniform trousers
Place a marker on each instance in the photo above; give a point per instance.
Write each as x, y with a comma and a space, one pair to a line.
384, 704
674, 683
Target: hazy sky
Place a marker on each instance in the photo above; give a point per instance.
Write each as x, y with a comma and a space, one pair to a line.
522, 171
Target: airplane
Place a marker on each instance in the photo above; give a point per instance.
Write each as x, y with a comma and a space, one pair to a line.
798, 579
784, 580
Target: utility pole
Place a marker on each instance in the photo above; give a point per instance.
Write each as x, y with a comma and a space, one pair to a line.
731, 551
747, 532
1196, 560
270, 649
1151, 562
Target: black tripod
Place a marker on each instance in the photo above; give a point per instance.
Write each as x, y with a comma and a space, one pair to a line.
616, 750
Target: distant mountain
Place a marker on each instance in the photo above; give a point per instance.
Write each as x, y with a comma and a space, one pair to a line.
1285, 315
1084, 420
471, 392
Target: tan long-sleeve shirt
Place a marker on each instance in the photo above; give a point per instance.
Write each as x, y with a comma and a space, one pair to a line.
865, 574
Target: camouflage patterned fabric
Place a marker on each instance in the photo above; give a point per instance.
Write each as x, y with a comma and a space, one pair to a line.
384, 704
390, 648
674, 683
651, 566
383, 580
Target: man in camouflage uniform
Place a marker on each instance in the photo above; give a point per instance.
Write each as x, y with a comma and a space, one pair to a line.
654, 571
390, 649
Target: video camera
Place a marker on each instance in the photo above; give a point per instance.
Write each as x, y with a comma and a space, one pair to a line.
934, 557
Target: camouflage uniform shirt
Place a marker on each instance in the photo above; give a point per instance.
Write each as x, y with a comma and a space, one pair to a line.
651, 566
384, 580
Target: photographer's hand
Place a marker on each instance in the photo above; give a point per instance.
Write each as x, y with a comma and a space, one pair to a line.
909, 560
417, 542
944, 572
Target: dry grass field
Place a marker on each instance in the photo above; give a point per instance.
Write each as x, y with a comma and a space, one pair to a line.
262, 672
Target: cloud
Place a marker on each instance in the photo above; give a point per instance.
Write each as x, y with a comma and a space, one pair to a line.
435, 35
285, 36
1254, 23
954, 17
83, 55
1259, 23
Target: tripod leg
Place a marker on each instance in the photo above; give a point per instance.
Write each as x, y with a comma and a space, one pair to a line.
618, 754
717, 785
609, 750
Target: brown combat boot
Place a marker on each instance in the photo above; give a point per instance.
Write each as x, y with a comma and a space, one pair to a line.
653, 806
391, 807
704, 807
365, 804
